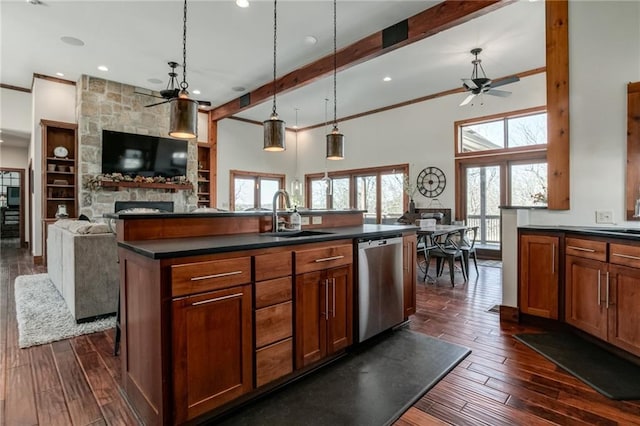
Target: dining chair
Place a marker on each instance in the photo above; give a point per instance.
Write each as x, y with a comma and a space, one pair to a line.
468, 246
446, 248
424, 247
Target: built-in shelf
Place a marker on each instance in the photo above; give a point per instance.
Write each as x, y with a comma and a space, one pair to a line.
173, 187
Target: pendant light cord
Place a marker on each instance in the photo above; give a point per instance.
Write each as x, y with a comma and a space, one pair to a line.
335, 67
275, 40
184, 83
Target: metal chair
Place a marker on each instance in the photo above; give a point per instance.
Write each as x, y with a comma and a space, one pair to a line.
468, 246
446, 248
424, 247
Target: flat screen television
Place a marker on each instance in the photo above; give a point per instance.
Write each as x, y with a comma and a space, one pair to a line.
143, 155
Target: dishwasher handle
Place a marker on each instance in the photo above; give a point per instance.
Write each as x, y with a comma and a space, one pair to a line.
366, 243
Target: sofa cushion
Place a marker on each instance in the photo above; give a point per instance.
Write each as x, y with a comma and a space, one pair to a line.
82, 226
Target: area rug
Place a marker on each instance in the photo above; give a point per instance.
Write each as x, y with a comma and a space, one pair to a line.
43, 315
370, 387
612, 376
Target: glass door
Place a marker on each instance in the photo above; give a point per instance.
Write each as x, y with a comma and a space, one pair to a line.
366, 199
483, 195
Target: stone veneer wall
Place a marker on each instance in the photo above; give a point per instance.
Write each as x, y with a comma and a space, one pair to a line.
109, 105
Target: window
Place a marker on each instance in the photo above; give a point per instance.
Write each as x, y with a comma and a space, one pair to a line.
502, 161
503, 133
378, 190
253, 190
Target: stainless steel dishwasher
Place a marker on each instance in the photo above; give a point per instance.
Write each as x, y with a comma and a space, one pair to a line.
380, 287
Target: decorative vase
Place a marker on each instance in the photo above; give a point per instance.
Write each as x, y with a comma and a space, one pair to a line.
412, 206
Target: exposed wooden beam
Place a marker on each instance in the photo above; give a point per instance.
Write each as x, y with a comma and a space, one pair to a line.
10, 87
557, 35
440, 17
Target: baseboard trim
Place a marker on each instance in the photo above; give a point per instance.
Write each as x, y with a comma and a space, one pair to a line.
509, 314
38, 260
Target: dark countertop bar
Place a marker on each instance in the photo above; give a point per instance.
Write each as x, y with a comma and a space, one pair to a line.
626, 233
251, 213
194, 246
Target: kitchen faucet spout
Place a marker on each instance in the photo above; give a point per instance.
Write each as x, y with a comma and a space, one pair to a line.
287, 202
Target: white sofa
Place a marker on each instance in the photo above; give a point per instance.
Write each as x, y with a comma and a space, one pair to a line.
82, 262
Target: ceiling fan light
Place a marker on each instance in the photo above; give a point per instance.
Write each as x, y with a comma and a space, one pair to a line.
274, 133
335, 145
183, 123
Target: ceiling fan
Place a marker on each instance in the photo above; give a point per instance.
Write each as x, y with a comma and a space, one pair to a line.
173, 88
479, 84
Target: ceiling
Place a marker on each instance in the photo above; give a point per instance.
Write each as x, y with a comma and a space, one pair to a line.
230, 47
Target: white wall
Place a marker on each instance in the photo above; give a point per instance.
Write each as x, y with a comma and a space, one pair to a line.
240, 148
604, 55
15, 111
14, 157
51, 101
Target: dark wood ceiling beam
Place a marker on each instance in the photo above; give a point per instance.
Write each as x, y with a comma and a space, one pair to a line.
440, 17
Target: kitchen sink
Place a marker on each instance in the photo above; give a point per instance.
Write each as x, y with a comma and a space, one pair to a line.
293, 234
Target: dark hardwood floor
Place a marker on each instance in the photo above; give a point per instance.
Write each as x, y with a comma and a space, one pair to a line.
75, 381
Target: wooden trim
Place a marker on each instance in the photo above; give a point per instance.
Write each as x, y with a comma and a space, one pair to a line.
557, 36
38, 260
256, 176
10, 87
509, 314
633, 149
54, 79
213, 161
440, 17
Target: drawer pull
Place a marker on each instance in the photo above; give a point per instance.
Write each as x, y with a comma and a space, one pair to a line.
599, 289
224, 274
582, 249
328, 259
216, 299
607, 301
626, 256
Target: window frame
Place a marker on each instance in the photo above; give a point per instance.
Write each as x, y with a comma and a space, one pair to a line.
352, 174
257, 177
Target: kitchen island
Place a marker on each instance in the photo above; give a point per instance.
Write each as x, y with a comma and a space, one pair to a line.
215, 310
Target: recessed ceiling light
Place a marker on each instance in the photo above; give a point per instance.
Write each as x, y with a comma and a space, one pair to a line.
387, 78
238, 89
310, 39
72, 41
242, 3
154, 81
103, 68
60, 74
196, 92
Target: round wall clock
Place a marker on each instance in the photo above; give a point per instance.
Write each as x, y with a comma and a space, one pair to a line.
431, 182
60, 151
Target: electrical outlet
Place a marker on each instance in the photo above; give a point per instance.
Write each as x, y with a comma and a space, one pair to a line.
604, 216
316, 220
304, 220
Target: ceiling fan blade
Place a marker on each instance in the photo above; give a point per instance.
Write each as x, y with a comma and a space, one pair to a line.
467, 100
501, 93
469, 84
503, 81
159, 103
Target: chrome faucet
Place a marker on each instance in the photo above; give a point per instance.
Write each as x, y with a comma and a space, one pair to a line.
287, 202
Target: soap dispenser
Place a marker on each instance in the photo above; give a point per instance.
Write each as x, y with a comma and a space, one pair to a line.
296, 220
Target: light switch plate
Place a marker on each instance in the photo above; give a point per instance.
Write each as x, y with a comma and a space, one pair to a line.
316, 220
604, 216
304, 220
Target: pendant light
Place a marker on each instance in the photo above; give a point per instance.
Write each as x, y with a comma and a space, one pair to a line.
326, 180
335, 139
296, 185
274, 131
183, 123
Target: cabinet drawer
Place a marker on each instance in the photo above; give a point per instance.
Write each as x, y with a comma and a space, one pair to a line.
596, 250
273, 265
273, 323
323, 258
273, 291
204, 276
274, 361
623, 254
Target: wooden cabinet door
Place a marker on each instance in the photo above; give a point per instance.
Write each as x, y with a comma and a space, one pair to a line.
339, 324
585, 290
409, 274
212, 350
312, 307
624, 315
538, 272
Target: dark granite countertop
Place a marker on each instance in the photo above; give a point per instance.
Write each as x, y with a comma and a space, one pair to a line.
194, 246
627, 233
205, 213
